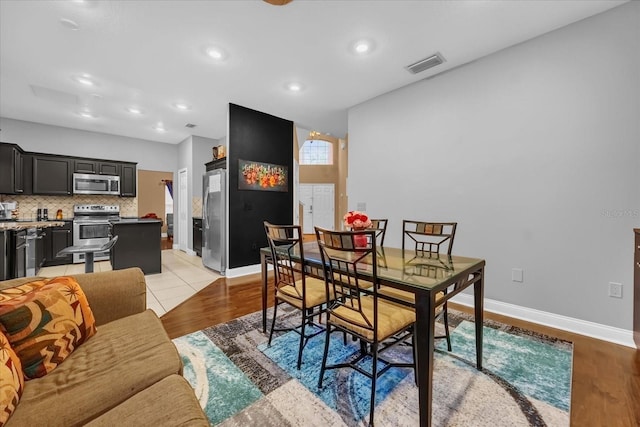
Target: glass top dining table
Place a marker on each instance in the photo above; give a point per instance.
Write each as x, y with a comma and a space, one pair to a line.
424, 276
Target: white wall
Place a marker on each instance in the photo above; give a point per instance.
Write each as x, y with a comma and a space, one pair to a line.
202, 152
193, 153
534, 151
185, 161
41, 138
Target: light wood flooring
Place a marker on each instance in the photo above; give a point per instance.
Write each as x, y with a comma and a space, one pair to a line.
606, 377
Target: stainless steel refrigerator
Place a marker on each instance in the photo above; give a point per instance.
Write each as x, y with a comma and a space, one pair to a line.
214, 220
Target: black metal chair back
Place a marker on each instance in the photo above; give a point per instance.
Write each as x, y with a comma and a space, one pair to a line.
429, 237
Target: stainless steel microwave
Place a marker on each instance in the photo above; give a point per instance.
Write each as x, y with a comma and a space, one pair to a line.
96, 184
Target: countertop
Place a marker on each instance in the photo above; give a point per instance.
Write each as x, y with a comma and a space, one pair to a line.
23, 225
136, 221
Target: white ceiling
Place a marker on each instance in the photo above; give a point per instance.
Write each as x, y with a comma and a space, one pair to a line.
151, 54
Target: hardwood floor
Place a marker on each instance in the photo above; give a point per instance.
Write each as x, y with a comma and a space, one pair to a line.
166, 243
605, 389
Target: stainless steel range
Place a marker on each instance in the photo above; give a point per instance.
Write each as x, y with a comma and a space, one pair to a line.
92, 226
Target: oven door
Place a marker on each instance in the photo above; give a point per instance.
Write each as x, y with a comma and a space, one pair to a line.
91, 232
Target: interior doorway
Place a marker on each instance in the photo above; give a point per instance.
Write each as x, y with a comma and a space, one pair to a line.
152, 196
318, 206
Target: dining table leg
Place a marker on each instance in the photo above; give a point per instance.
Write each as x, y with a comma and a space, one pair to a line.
478, 296
425, 322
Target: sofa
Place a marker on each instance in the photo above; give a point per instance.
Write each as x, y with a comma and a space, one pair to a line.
128, 373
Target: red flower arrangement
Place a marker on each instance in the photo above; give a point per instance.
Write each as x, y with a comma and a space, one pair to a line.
356, 220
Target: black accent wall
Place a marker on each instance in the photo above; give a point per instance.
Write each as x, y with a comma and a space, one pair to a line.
260, 137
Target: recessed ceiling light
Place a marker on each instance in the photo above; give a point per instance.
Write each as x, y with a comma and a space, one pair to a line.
69, 24
159, 128
363, 47
134, 110
216, 53
84, 79
294, 87
87, 114
182, 106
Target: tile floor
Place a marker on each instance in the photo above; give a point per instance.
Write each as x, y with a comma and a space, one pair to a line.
182, 276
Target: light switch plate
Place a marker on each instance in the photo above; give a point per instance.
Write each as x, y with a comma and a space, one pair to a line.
517, 275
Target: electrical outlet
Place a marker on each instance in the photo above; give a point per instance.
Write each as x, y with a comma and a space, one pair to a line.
517, 275
615, 290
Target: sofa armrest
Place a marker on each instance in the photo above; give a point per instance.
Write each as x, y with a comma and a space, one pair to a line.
114, 294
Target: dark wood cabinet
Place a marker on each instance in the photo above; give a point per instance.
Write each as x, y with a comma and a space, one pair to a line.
84, 166
11, 169
92, 166
13, 248
138, 245
4, 255
55, 240
197, 236
128, 179
52, 175
109, 168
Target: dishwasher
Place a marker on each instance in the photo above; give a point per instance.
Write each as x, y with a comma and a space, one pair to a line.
33, 247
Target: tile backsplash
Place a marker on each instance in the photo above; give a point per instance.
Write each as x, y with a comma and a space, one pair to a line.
28, 205
196, 207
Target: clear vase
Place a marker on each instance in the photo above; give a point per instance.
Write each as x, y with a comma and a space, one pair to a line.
360, 240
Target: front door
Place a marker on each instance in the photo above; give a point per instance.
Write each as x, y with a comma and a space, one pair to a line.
318, 206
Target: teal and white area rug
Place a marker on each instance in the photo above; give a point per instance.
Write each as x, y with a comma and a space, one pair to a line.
240, 381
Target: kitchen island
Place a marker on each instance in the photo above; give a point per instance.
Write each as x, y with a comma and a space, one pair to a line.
23, 247
139, 244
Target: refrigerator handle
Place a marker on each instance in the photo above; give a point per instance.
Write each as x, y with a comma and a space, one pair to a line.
205, 216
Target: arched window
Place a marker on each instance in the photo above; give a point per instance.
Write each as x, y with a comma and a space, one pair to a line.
316, 152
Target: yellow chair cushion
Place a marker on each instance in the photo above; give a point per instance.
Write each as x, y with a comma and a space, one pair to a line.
404, 296
316, 293
392, 318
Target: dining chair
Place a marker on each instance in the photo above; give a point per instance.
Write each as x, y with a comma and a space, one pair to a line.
292, 285
380, 226
428, 239
356, 309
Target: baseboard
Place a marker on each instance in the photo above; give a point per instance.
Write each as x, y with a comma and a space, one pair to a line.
243, 271
190, 252
176, 246
570, 324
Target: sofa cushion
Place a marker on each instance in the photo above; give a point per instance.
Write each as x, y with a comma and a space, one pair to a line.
149, 407
125, 357
45, 321
12, 379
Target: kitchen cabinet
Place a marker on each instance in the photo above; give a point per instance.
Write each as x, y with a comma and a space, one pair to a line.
138, 245
52, 175
92, 166
11, 169
4, 255
197, 236
128, 177
56, 239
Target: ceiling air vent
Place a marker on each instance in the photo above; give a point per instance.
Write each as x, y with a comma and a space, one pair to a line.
425, 64
190, 125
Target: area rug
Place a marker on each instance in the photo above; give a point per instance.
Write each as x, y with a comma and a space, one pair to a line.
242, 381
